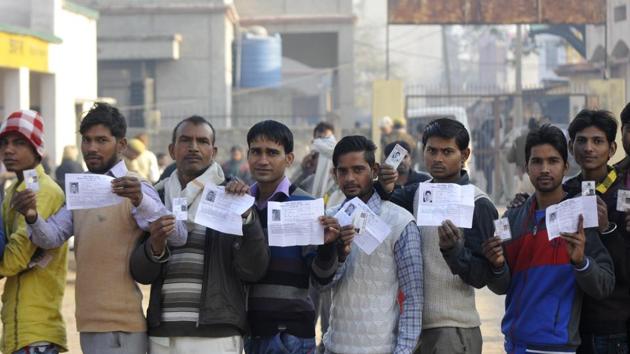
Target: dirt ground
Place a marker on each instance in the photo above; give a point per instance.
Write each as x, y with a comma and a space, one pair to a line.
490, 308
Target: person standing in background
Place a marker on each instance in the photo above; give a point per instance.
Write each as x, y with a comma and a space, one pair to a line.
68, 164
147, 159
237, 165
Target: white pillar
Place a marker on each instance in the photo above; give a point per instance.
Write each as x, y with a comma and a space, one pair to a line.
48, 94
16, 90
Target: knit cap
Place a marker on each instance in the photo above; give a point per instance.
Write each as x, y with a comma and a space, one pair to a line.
27, 123
137, 145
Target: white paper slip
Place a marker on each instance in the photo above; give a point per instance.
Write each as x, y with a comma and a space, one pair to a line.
89, 190
32, 180
359, 221
180, 208
41, 260
588, 188
438, 202
295, 223
396, 156
366, 242
222, 211
563, 217
623, 200
502, 229
371, 229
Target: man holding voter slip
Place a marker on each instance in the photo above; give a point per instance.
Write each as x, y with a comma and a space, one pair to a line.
603, 322
108, 214
35, 278
454, 217
198, 297
377, 290
302, 244
555, 255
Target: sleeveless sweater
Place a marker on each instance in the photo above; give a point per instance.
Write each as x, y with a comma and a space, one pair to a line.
107, 298
364, 313
448, 301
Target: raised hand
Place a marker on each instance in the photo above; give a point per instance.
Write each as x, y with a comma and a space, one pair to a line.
576, 242
449, 235
493, 251
161, 229
128, 187
387, 177
25, 203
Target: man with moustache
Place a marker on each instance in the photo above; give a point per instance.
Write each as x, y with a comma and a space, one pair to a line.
453, 260
281, 314
198, 290
604, 322
109, 311
366, 316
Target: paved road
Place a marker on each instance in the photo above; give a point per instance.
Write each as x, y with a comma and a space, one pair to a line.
491, 308
489, 305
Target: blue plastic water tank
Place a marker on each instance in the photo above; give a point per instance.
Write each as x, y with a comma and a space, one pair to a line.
261, 60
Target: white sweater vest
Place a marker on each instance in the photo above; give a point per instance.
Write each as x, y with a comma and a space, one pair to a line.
448, 301
364, 312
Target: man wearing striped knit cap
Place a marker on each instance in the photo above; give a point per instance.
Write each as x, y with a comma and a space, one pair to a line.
36, 278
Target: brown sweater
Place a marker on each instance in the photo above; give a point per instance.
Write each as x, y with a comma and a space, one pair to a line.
107, 298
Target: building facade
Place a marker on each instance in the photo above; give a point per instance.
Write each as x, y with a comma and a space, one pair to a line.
48, 63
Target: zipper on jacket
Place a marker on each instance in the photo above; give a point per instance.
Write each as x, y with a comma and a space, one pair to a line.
206, 270
15, 312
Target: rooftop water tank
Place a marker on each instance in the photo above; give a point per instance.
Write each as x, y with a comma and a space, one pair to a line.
261, 60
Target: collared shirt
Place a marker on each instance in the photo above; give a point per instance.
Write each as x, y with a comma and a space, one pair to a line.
409, 272
283, 187
54, 231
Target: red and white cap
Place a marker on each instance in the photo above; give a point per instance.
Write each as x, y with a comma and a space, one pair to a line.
27, 123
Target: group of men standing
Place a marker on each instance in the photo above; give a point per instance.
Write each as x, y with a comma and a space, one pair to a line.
213, 292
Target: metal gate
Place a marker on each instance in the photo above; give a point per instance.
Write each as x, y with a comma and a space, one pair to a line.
493, 127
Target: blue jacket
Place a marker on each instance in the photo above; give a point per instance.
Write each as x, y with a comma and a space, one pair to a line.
544, 290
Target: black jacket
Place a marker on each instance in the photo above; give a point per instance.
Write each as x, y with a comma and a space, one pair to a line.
230, 263
610, 315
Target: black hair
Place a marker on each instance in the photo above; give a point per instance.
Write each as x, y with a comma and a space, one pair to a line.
388, 149
236, 148
547, 134
196, 120
274, 131
355, 143
322, 127
600, 119
532, 123
447, 128
107, 115
625, 115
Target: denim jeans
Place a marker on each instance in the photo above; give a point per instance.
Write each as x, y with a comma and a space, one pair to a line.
281, 343
38, 349
610, 344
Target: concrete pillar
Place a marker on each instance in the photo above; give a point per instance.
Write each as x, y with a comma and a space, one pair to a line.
48, 94
16, 90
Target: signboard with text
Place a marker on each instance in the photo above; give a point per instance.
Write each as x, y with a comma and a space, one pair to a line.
18, 50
